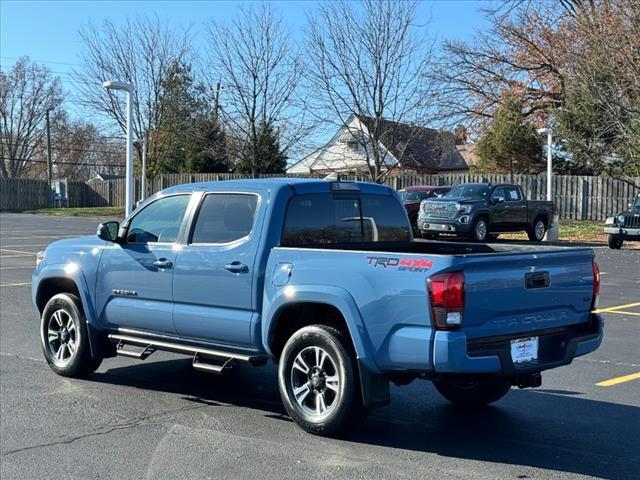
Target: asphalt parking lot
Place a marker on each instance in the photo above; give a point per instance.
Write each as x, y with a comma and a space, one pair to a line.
161, 419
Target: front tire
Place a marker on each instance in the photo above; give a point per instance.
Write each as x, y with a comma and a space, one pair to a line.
480, 230
65, 337
614, 242
473, 392
318, 382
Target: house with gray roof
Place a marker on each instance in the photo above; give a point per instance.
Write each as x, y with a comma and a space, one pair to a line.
405, 148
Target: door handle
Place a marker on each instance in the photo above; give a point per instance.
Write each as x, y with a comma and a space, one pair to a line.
163, 263
236, 267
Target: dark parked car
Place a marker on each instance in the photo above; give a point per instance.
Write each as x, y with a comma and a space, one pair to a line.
478, 210
412, 196
624, 226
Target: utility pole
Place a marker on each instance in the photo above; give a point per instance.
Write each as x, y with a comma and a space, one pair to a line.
143, 180
216, 99
49, 166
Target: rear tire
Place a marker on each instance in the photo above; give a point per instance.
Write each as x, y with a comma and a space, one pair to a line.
65, 337
318, 382
538, 230
614, 242
473, 392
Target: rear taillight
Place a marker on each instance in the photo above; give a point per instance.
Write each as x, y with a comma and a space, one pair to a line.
596, 286
446, 295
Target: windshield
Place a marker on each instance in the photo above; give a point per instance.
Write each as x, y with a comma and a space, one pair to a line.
469, 191
413, 195
636, 204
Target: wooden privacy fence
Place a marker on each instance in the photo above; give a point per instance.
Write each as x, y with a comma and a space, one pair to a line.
23, 194
575, 197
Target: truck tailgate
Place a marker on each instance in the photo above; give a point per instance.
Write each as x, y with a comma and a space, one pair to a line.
515, 293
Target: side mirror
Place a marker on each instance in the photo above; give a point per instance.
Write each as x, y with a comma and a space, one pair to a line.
108, 231
497, 200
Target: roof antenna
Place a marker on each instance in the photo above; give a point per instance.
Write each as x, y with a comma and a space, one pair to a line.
332, 177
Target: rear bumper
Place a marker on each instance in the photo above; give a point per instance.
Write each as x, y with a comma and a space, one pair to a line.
454, 353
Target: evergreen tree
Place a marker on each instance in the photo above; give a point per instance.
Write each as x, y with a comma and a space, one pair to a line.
510, 144
262, 153
191, 137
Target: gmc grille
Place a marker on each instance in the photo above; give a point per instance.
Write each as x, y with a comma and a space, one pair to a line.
442, 211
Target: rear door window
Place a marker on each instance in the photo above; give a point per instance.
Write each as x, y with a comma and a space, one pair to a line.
224, 218
326, 218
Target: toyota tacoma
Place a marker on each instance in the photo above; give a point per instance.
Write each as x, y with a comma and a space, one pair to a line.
323, 278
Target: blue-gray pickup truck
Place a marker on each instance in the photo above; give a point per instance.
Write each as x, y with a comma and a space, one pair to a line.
323, 278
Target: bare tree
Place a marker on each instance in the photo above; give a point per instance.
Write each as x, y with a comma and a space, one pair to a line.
260, 70
26, 93
140, 51
372, 60
522, 55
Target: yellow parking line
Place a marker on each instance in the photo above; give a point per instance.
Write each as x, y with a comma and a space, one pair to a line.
619, 307
14, 284
617, 380
626, 313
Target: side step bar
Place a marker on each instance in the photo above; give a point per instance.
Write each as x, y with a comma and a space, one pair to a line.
203, 358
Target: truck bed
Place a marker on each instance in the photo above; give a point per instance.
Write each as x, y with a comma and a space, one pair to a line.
441, 248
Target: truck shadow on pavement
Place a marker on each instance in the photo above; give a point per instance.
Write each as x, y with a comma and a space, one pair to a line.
553, 430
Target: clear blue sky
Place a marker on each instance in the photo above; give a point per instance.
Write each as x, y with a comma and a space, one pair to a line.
47, 31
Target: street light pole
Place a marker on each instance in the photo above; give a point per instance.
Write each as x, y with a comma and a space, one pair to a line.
129, 186
552, 232
549, 133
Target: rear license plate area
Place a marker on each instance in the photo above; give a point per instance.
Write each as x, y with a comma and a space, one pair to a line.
524, 350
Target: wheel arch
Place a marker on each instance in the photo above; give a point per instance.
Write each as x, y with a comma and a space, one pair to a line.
53, 281
542, 215
295, 307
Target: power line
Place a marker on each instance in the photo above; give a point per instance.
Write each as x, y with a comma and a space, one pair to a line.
79, 164
43, 61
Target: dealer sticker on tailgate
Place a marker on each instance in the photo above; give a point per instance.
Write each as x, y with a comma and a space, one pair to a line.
524, 349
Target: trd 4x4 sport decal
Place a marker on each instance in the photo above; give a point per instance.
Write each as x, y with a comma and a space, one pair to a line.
401, 264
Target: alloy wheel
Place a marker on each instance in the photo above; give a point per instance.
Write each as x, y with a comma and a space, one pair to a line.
539, 229
315, 382
62, 337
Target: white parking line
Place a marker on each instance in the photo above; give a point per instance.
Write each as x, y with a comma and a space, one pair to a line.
41, 245
41, 236
14, 284
16, 268
16, 251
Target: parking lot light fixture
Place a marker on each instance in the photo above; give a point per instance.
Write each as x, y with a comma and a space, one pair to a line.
129, 187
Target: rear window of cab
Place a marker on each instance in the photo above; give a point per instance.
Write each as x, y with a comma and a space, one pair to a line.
327, 218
